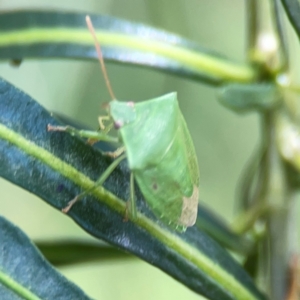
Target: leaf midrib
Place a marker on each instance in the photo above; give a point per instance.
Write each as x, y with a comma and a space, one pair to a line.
198, 61
17, 288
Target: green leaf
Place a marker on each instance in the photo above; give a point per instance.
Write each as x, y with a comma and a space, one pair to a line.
57, 166
48, 34
67, 252
246, 97
216, 228
24, 272
292, 8
61, 253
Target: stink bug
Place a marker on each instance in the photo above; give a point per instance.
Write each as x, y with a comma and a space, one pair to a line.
160, 153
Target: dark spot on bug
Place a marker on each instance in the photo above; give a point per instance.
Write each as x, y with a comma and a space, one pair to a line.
155, 186
118, 124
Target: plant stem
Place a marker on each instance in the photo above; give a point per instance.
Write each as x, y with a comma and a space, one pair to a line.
278, 223
265, 44
246, 219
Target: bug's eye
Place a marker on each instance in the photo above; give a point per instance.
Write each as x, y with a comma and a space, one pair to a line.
118, 124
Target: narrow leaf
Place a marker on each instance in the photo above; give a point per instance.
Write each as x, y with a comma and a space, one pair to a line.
248, 97
24, 272
292, 8
57, 166
74, 252
48, 34
216, 228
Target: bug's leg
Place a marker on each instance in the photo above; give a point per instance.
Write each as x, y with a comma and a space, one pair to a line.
99, 182
101, 120
105, 131
94, 135
115, 153
131, 204
132, 197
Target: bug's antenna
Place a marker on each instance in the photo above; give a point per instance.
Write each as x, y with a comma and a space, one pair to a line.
100, 56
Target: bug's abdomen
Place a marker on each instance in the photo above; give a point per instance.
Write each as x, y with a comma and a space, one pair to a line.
171, 187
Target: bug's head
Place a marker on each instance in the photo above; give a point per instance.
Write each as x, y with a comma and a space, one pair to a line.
122, 113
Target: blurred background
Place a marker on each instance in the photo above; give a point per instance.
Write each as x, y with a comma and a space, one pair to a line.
223, 140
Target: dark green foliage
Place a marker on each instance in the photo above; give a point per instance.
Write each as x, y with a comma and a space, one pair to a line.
24, 272
24, 118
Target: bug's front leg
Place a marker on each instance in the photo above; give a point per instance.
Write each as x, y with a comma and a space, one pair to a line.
101, 120
116, 153
93, 135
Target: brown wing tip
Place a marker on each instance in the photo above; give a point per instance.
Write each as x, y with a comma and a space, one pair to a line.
189, 209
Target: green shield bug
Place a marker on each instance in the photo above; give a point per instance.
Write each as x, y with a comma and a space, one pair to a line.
160, 153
